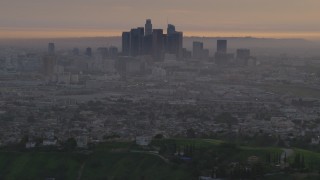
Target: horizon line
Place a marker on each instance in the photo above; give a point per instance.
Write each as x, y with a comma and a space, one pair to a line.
119, 36
9, 33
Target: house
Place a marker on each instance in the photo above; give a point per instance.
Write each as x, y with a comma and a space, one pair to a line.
143, 140
82, 141
30, 144
49, 142
49, 139
315, 141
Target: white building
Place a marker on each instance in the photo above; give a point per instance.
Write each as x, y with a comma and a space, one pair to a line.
143, 140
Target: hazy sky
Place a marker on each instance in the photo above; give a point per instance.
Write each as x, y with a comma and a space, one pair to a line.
277, 18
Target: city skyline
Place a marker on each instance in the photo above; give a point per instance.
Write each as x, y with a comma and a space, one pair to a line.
40, 19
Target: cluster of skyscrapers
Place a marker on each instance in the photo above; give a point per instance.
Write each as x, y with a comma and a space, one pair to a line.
148, 41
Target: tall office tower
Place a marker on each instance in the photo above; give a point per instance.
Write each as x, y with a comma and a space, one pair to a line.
221, 55
136, 41
165, 43
186, 54
157, 44
148, 27
175, 43
171, 29
49, 63
51, 49
147, 45
88, 52
126, 43
222, 46
197, 49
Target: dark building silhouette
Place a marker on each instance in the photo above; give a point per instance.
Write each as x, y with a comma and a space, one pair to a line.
199, 52
126, 43
147, 44
175, 43
157, 44
205, 54
136, 41
186, 54
148, 41
243, 55
88, 52
148, 27
221, 56
51, 49
197, 49
221, 46
49, 63
171, 29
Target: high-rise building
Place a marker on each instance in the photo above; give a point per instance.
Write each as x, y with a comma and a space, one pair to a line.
148, 27
88, 52
221, 55
147, 45
126, 43
243, 56
136, 41
197, 49
222, 46
171, 29
157, 44
49, 63
175, 43
148, 41
186, 54
51, 48
205, 54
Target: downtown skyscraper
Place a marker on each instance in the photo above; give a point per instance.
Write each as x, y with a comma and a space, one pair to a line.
153, 42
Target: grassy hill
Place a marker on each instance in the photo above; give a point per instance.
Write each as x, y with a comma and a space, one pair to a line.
38, 165
118, 160
135, 166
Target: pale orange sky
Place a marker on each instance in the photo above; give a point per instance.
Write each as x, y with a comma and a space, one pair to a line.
64, 33
92, 18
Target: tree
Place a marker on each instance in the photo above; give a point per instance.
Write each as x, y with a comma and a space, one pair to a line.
285, 158
191, 133
158, 136
302, 162
70, 144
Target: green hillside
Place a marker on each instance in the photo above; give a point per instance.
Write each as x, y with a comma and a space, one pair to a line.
38, 165
125, 160
131, 166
